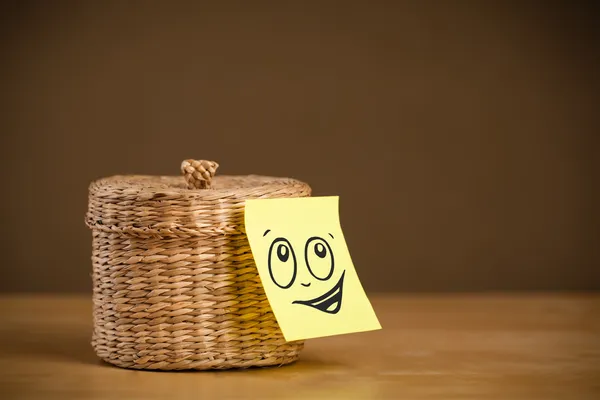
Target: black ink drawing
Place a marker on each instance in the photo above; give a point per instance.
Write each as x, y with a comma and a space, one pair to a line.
320, 262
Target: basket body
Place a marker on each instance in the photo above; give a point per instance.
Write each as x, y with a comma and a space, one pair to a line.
175, 285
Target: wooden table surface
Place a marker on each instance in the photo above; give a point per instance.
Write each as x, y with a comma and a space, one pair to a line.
537, 346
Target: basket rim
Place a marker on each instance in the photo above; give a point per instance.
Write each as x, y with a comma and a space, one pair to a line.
168, 185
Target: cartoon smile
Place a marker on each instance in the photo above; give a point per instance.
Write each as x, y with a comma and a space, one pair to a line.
330, 302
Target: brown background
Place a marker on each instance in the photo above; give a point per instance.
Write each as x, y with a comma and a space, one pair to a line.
459, 135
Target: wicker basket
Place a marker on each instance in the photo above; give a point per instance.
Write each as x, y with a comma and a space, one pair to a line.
175, 285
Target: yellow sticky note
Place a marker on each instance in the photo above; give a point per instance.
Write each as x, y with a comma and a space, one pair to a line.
305, 267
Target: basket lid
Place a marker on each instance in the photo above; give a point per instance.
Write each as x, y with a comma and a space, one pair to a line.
196, 203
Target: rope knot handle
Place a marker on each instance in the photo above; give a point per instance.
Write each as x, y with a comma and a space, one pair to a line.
198, 173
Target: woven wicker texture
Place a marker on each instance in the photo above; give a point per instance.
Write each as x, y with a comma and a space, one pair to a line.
199, 174
175, 284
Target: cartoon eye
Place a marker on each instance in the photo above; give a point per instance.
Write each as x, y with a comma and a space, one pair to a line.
282, 267
319, 258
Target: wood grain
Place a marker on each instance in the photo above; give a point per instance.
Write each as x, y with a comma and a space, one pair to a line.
540, 346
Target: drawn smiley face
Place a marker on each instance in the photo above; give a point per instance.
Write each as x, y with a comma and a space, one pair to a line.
318, 261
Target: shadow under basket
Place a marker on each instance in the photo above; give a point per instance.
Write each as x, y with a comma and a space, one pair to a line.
175, 284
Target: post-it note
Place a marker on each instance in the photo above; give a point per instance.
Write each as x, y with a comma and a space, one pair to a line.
305, 267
